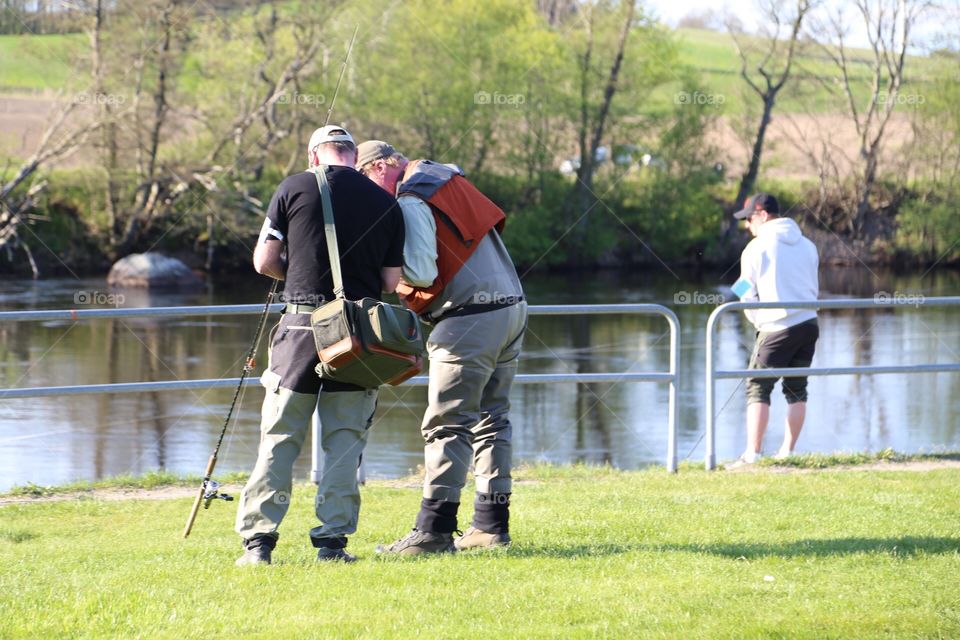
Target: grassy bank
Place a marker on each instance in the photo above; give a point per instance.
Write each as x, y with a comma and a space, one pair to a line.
598, 552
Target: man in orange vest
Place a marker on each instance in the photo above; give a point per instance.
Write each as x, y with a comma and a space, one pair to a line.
458, 276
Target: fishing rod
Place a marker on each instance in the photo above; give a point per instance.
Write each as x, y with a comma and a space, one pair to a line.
210, 488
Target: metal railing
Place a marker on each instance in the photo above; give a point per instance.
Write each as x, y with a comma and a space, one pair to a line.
671, 376
712, 374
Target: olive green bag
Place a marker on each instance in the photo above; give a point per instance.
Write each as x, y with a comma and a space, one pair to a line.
364, 342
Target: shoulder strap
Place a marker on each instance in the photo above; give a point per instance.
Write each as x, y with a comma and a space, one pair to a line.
333, 249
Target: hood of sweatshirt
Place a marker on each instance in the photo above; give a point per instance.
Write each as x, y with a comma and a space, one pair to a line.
780, 229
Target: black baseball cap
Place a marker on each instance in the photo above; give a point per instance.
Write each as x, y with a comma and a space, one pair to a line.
763, 201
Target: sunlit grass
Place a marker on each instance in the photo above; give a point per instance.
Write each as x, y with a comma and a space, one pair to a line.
597, 553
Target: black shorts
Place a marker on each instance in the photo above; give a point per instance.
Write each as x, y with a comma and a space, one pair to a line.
792, 347
293, 357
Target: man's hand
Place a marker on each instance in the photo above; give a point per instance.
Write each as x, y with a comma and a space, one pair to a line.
389, 279
268, 259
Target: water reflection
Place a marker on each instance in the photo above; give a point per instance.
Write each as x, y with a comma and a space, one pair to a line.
54, 440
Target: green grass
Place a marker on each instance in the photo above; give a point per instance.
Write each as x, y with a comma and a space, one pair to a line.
597, 553
825, 461
35, 63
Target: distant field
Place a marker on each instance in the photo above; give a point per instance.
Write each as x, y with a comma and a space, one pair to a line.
35, 66
714, 56
37, 63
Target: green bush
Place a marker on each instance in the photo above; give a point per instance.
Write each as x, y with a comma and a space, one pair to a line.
929, 228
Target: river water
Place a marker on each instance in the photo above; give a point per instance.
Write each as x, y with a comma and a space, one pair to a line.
55, 440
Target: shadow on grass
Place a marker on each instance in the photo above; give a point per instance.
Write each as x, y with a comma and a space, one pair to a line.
906, 546
16, 537
567, 551
525, 551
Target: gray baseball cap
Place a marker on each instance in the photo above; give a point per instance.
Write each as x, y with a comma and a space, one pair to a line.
373, 150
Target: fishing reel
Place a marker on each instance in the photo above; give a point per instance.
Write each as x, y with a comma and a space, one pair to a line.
212, 492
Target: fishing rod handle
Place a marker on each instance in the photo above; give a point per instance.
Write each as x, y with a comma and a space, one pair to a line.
211, 463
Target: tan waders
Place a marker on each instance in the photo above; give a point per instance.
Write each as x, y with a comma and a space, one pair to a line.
473, 361
285, 424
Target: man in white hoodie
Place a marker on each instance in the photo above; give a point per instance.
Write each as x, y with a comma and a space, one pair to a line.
778, 264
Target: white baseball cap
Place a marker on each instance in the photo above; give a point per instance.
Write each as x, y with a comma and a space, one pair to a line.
329, 133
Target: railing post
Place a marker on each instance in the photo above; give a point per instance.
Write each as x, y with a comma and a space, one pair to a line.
672, 406
316, 448
710, 457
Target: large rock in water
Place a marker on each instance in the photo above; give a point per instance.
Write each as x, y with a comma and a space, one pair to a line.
152, 271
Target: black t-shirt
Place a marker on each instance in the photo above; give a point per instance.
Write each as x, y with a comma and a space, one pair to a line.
370, 233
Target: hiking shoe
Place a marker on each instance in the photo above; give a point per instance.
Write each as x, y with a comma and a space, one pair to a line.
743, 461
419, 542
255, 556
474, 538
328, 554
783, 455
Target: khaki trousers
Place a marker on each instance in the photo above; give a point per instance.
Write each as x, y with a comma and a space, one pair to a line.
345, 417
473, 360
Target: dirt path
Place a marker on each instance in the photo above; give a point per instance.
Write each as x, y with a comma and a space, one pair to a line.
176, 492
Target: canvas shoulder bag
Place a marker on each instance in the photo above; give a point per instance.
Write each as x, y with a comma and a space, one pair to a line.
363, 342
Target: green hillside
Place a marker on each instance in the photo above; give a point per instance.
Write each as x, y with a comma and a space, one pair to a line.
37, 63
714, 56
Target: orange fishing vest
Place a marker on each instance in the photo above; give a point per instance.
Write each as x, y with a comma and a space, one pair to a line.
463, 216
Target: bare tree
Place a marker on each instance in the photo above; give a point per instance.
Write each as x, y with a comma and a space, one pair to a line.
592, 123
889, 26
272, 83
160, 45
61, 138
104, 105
766, 69
557, 11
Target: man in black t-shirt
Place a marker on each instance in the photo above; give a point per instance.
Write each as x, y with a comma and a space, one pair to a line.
370, 232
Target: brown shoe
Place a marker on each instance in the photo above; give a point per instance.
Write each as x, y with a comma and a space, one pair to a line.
419, 542
474, 538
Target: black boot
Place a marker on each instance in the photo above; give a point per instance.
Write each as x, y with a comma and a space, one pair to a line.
332, 549
258, 550
437, 516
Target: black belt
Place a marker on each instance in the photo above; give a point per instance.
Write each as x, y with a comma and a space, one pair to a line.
473, 309
299, 308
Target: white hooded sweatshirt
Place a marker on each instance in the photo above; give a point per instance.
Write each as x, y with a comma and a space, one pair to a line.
779, 264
